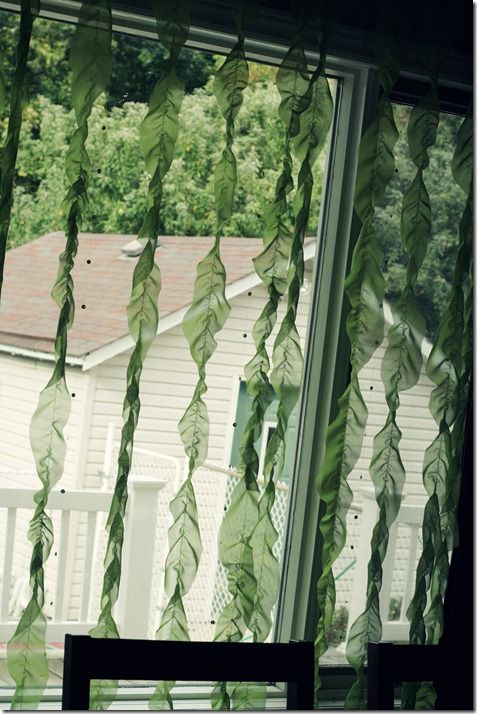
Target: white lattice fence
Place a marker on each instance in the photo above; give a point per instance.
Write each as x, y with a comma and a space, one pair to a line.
279, 516
213, 487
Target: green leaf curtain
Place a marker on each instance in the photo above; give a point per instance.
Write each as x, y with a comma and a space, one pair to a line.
90, 60
248, 535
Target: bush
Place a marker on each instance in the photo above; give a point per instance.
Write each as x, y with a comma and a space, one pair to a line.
395, 604
337, 631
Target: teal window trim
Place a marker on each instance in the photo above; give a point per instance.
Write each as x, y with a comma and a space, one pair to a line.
241, 415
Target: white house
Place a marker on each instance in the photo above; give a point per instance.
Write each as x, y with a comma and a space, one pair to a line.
99, 347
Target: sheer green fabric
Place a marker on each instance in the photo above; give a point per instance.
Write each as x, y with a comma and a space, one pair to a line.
158, 137
90, 61
248, 534
29, 10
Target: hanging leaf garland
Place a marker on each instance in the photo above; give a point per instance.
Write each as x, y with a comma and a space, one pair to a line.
365, 327
448, 367
400, 370
206, 316
158, 134
287, 357
29, 10
90, 61
235, 549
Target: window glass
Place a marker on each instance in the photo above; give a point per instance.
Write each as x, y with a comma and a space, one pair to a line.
98, 347
413, 417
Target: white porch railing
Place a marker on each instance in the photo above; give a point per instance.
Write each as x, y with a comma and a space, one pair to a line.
141, 597
134, 599
408, 522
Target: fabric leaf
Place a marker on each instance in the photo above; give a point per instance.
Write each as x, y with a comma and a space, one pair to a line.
29, 10
247, 534
241, 518
400, 370
27, 660
449, 368
287, 356
158, 134
204, 319
364, 287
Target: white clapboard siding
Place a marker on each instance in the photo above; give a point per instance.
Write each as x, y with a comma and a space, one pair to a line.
167, 384
418, 430
21, 381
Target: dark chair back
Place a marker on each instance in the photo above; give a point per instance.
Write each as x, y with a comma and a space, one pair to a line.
88, 658
390, 664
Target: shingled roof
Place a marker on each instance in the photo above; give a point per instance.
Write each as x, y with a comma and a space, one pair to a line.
102, 278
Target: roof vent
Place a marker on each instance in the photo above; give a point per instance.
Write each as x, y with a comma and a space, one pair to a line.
134, 248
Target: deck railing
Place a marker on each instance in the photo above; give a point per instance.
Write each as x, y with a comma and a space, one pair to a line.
138, 558
142, 597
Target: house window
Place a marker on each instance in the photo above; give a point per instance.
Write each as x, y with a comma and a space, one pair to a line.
243, 413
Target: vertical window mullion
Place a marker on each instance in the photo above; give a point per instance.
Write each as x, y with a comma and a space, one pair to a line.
326, 364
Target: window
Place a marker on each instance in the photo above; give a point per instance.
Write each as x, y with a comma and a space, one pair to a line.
100, 347
243, 413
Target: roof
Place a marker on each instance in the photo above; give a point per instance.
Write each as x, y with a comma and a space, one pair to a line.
102, 279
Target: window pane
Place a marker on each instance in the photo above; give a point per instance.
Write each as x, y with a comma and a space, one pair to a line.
414, 419
98, 346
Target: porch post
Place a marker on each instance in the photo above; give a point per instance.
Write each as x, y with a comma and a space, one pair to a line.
138, 556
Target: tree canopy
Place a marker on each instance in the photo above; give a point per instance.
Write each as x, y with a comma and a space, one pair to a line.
118, 180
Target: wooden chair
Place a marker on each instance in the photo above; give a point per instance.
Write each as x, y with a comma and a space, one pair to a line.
390, 664
88, 658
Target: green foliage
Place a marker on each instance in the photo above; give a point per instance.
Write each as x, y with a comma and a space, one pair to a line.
187, 207
137, 61
365, 325
29, 9
90, 71
400, 370
336, 632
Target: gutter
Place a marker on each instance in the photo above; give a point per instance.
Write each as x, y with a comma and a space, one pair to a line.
38, 355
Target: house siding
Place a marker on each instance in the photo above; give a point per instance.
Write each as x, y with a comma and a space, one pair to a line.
167, 383
21, 381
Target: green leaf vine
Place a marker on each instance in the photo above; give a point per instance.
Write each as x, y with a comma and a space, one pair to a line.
449, 368
204, 319
158, 135
90, 61
248, 535
365, 327
235, 548
29, 10
400, 370
287, 356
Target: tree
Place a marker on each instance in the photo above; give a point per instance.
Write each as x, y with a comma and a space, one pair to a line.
447, 203
137, 63
118, 179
